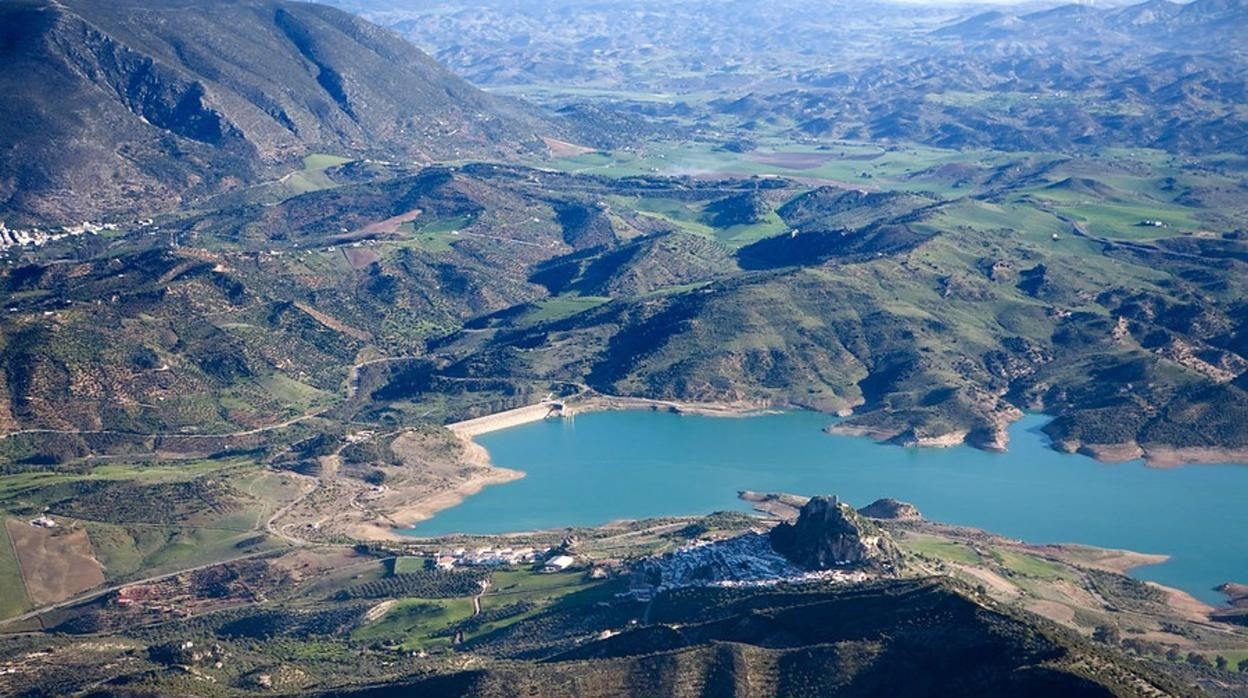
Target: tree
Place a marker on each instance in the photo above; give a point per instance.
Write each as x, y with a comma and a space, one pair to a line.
1243, 666
1196, 659
1220, 662
1108, 634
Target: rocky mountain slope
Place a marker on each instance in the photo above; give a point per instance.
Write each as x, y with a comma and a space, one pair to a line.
129, 107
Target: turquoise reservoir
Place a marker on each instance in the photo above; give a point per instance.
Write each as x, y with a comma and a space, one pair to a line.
603, 466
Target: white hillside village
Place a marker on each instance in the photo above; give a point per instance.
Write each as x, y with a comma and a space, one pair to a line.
36, 237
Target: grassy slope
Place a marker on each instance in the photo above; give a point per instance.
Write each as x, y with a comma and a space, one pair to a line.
13, 598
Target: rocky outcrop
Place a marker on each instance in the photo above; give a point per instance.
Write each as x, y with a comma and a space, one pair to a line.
891, 509
829, 534
915, 438
782, 506
1237, 598
1236, 594
1237, 609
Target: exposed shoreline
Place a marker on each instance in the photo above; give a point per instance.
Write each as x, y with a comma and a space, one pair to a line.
1155, 456
1116, 560
604, 403
426, 507
394, 521
1160, 455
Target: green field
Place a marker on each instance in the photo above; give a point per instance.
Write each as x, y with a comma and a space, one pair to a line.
1030, 566
845, 163
305, 181
687, 217
529, 584
408, 564
125, 551
1120, 219
12, 590
298, 396
560, 307
31, 488
434, 235
412, 621
321, 161
942, 550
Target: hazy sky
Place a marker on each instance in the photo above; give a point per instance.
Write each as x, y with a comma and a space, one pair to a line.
1101, 3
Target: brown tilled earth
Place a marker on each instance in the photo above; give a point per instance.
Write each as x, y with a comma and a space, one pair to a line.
56, 563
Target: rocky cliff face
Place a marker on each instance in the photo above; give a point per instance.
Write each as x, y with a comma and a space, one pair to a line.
829, 534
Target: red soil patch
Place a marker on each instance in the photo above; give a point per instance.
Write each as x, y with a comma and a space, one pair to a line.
391, 225
563, 149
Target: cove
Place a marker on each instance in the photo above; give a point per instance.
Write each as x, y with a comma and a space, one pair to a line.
603, 466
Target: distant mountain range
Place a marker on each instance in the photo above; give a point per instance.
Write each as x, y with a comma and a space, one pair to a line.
1074, 77
120, 106
1203, 25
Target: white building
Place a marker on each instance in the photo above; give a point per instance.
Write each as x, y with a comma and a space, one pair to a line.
558, 563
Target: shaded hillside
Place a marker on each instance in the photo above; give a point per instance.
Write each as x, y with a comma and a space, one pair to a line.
1023, 100
914, 638
123, 107
638, 267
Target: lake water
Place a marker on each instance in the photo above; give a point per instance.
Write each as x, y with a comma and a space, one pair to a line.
603, 466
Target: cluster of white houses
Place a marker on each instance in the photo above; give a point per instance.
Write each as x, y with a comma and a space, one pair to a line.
36, 237
501, 557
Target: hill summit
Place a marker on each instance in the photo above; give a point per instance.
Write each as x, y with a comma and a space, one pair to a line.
829, 534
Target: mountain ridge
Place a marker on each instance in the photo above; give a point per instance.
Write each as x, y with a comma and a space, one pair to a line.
145, 112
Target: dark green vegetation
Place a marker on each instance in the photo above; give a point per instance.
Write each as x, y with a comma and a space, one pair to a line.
425, 584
